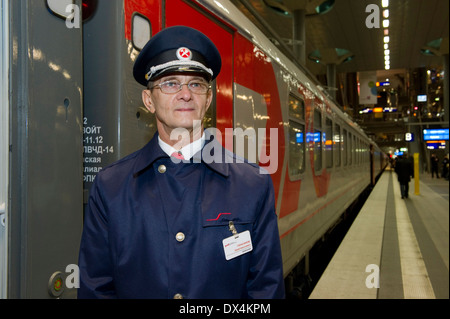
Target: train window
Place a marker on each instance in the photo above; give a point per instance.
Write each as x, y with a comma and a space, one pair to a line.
357, 150
345, 146
349, 149
337, 141
296, 108
141, 31
58, 7
328, 137
67, 9
363, 152
89, 8
366, 153
317, 140
360, 149
296, 163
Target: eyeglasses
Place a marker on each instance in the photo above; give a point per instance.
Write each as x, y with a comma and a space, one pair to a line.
174, 86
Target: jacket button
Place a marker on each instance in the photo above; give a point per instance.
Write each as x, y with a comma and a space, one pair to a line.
179, 237
178, 296
162, 169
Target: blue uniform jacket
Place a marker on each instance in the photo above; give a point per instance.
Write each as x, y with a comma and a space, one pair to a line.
154, 229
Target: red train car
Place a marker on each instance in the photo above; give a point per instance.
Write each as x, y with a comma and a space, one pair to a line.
75, 108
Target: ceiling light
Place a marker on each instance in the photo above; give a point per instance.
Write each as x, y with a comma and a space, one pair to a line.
386, 46
386, 13
386, 23
325, 6
386, 39
386, 31
387, 52
278, 7
385, 3
435, 47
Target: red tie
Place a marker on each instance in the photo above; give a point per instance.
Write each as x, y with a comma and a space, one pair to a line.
178, 155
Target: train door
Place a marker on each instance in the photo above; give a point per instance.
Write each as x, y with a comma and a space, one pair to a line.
4, 144
115, 121
44, 219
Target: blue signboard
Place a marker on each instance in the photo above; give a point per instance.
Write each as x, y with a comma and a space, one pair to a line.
299, 137
313, 137
435, 134
434, 145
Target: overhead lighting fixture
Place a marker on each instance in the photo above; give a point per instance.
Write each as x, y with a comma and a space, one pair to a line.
278, 7
325, 6
433, 48
386, 38
331, 56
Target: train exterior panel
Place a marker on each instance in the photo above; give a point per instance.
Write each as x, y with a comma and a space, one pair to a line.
87, 113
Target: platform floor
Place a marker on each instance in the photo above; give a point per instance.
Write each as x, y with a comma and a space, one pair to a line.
396, 248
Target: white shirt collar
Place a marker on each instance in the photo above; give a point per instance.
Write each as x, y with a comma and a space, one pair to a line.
188, 151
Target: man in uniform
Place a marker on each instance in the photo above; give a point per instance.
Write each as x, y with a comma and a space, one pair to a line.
180, 218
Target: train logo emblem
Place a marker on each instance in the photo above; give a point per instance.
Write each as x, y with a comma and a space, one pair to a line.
184, 54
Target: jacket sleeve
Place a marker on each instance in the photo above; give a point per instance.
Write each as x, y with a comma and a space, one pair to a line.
96, 269
265, 280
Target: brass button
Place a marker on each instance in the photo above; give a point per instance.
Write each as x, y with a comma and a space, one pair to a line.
179, 237
178, 296
162, 169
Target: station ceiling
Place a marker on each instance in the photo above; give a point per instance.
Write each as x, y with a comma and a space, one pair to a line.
413, 24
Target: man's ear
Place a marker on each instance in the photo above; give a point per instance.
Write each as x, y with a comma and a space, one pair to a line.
147, 99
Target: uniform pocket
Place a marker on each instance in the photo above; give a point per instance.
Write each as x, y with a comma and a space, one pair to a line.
223, 219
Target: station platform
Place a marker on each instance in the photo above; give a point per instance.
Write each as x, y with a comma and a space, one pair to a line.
396, 248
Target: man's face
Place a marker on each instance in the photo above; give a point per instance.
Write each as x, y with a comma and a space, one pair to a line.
177, 110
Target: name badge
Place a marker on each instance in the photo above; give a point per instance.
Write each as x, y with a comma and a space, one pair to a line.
237, 245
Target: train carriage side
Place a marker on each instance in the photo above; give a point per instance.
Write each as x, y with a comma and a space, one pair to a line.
323, 161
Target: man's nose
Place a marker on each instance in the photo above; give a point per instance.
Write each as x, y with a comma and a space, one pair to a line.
185, 91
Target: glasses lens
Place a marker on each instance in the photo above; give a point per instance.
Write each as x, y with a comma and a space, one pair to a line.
170, 86
198, 87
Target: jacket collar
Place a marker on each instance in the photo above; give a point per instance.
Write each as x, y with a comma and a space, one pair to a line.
212, 155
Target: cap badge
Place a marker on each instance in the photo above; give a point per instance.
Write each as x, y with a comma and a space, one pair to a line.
184, 54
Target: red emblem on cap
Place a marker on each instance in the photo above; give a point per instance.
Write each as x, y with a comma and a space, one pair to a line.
184, 54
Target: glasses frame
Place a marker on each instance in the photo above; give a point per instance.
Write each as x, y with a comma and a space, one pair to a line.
180, 87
